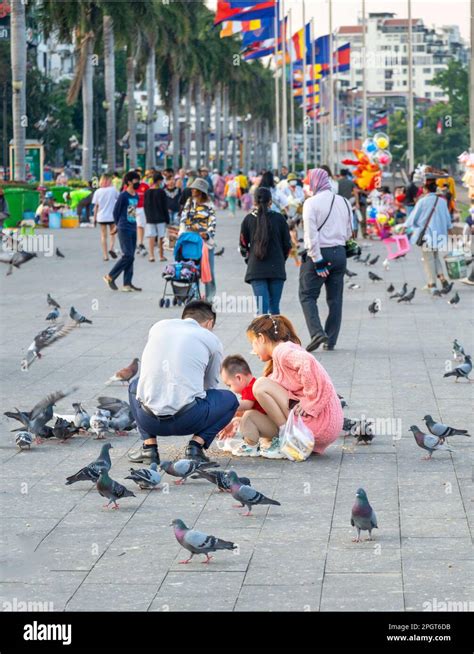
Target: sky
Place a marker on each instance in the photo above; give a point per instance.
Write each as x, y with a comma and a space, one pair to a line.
345, 12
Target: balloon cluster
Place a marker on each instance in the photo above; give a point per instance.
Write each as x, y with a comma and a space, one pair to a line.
376, 148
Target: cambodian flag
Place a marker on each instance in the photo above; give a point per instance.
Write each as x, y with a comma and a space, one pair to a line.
226, 10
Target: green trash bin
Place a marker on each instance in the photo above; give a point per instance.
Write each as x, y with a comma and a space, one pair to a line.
19, 200
58, 193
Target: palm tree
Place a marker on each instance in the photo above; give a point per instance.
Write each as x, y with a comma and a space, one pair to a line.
109, 76
18, 55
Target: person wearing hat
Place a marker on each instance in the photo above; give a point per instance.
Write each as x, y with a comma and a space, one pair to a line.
44, 208
198, 215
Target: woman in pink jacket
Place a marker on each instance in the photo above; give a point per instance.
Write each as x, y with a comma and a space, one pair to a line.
293, 379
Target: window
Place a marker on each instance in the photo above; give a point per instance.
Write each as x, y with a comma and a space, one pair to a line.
428, 94
427, 70
404, 82
439, 94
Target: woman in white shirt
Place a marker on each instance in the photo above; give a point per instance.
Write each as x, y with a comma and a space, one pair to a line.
104, 201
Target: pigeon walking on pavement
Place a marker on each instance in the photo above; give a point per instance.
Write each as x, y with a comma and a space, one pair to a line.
363, 516
63, 429
447, 288
52, 315
400, 293
454, 300
24, 439
111, 489
246, 495
363, 431
78, 317
91, 472
183, 468
197, 542
458, 350
82, 419
373, 261
429, 442
52, 302
220, 478
462, 371
59, 254
146, 478
99, 423
349, 273
441, 430
365, 260
408, 297
125, 375
122, 420
374, 307
390, 288
374, 277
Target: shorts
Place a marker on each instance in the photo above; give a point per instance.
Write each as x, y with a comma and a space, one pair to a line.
155, 229
141, 219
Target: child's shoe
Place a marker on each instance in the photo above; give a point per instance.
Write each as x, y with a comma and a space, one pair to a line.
273, 452
244, 449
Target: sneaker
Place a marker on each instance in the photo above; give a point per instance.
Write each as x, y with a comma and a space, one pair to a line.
273, 452
467, 281
127, 289
142, 455
135, 288
113, 254
196, 453
318, 340
244, 449
110, 282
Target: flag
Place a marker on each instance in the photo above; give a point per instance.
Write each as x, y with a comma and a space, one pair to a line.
382, 122
310, 90
341, 60
261, 49
439, 126
419, 124
297, 43
311, 75
230, 27
264, 30
226, 12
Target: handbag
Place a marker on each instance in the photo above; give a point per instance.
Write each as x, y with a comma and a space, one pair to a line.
352, 247
420, 241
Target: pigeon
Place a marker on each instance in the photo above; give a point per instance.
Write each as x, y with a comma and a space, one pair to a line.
454, 300
246, 495
122, 419
342, 400
219, 252
374, 277
81, 418
59, 253
99, 423
220, 478
458, 350
183, 468
400, 293
349, 273
91, 472
52, 315
390, 288
126, 374
52, 302
64, 429
374, 307
429, 442
78, 317
436, 293
363, 431
373, 261
443, 431
24, 440
347, 424
356, 258
198, 543
462, 371
353, 287
447, 288
111, 489
146, 478
363, 516
36, 420
44, 339
408, 297
385, 264
365, 260
15, 259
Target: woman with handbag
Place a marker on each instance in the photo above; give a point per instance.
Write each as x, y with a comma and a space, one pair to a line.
429, 223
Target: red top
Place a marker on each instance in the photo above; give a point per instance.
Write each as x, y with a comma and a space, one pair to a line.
247, 394
141, 194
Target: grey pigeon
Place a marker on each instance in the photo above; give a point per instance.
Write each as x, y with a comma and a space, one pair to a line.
454, 300
122, 419
198, 543
400, 293
374, 277
373, 261
458, 350
462, 371
59, 253
111, 489
365, 260
91, 472
436, 293
363, 516
374, 307
447, 288
44, 339
343, 401
183, 468
349, 273
24, 440
146, 478
52, 302
363, 431
408, 297
353, 287
81, 418
441, 430
52, 315
15, 259
125, 375
246, 495
64, 429
429, 442
390, 288
99, 423
220, 478
78, 317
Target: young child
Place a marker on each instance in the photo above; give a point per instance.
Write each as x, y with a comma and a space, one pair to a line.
236, 374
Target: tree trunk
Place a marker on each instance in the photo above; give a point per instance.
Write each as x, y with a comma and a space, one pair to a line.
187, 145
109, 76
225, 127
198, 129
18, 56
207, 127
266, 145
132, 120
150, 94
88, 114
218, 124
176, 128
246, 147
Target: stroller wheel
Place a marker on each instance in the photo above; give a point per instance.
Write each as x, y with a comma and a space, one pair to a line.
175, 301
167, 303
162, 303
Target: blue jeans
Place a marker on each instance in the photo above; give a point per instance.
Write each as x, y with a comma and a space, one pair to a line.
268, 294
128, 244
206, 419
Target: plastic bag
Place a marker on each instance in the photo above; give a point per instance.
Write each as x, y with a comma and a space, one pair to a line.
296, 440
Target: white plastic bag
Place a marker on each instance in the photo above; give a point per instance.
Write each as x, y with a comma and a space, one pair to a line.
296, 439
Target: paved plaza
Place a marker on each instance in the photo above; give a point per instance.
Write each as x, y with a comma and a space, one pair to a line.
63, 551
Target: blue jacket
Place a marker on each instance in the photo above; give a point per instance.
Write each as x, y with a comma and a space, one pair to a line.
437, 231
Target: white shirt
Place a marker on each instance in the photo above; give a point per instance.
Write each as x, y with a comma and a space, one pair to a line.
180, 362
105, 199
336, 230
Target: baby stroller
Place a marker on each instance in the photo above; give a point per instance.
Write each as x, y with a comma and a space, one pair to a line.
184, 273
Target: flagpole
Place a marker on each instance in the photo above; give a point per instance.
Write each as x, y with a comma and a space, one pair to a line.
292, 104
331, 94
410, 112
284, 113
305, 139
364, 74
315, 122
277, 94
338, 108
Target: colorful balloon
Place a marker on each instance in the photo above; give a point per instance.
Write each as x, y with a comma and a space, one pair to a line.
381, 140
369, 146
373, 212
383, 157
382, 218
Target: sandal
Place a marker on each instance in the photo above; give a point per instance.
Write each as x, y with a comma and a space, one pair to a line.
152, 260
163, 259
106, 258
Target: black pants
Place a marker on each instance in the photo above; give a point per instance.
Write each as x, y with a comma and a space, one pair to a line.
310, 288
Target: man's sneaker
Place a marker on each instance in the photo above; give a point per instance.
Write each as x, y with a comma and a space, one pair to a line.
141, 249
110, 282
316, 341
244, 449
113, 254
273, 452
127, 289
196, 453
135, 288
467, 281
143, 455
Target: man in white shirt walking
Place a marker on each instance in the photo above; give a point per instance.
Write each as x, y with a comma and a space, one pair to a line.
176, 393
327, 227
